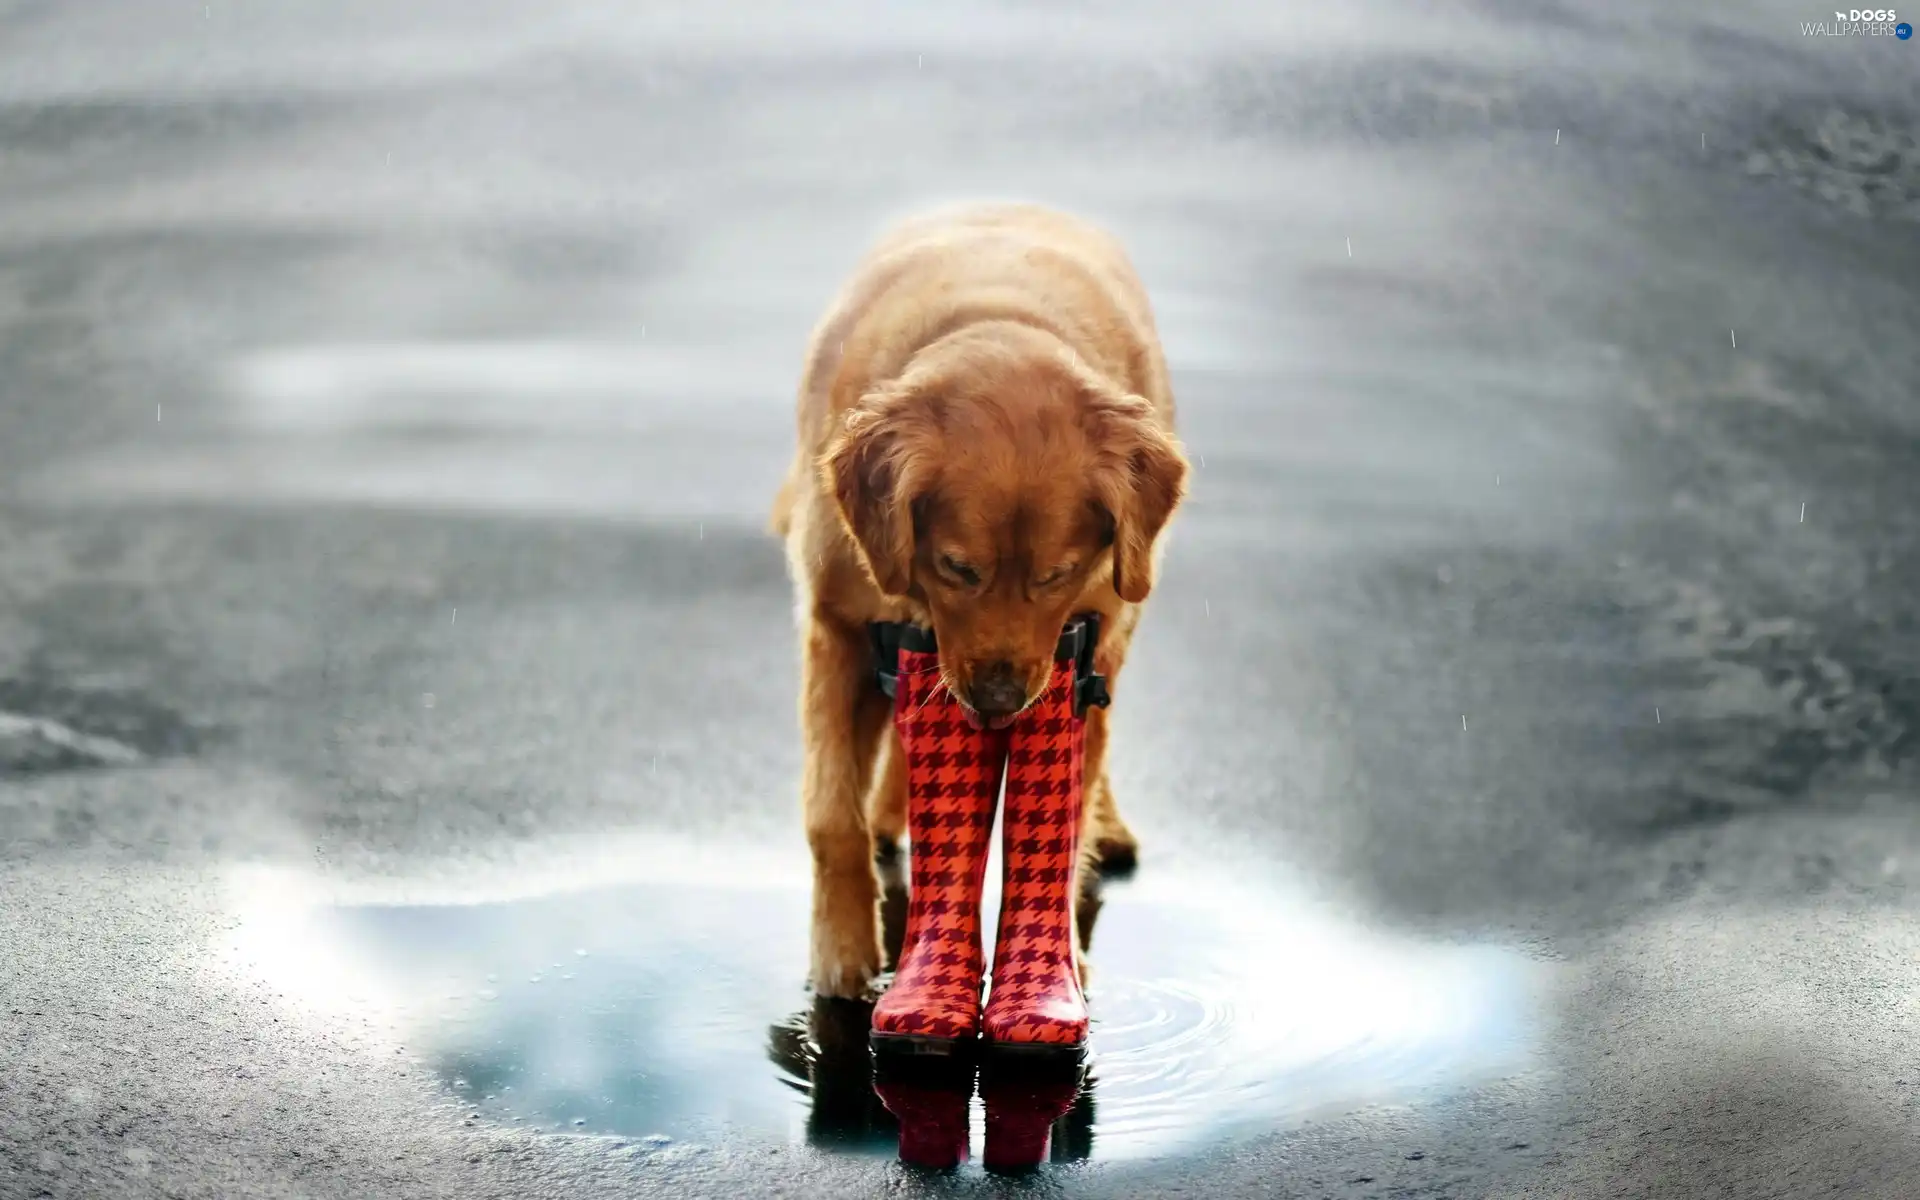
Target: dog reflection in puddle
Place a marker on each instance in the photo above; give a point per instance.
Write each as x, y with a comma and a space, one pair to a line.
1031, 1116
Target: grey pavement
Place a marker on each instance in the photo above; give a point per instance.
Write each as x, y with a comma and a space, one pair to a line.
397, 743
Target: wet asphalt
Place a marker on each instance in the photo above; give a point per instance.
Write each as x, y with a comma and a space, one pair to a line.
397, 747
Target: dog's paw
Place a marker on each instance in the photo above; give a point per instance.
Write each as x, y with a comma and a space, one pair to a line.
846, 980
845, 967
1116, 851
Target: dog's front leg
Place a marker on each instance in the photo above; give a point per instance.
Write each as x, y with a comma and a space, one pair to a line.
887, 796
842, 714
1109, 845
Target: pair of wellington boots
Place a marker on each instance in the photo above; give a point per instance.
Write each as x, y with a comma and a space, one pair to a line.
1034, 1005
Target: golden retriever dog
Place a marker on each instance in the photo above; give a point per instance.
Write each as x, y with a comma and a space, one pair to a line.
986, 448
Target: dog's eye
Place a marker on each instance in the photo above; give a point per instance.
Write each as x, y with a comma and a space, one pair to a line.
1057, 575
959, 570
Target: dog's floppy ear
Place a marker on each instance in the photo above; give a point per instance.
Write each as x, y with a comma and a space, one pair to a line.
874, 470
1140, 479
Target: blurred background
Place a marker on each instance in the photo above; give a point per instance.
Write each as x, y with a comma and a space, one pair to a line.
1521, 740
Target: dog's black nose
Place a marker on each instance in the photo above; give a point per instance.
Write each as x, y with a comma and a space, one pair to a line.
995, 692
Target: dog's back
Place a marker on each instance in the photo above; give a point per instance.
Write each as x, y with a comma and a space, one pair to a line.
935, 273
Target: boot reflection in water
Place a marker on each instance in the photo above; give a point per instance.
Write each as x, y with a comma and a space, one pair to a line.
929, 1100
1025, 1114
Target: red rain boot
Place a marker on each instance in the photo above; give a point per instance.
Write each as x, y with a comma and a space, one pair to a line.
1035, 1004
953, 781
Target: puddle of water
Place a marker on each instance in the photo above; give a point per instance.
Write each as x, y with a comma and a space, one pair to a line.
667, 1006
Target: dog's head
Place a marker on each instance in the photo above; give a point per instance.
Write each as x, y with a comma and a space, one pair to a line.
996, 484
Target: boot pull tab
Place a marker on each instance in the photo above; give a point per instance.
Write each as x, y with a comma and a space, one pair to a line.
1089, 686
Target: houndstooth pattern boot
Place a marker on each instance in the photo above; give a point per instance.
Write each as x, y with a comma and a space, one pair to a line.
1035, 1001
953, 783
